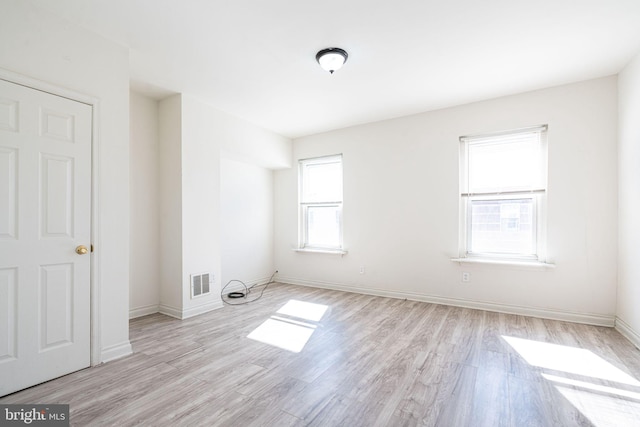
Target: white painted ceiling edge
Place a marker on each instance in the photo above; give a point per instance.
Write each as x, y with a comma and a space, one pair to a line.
256, 59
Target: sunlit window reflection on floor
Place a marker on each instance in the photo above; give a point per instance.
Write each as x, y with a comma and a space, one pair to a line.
568, 359
292, 332
604, 394
282, 334
593, 387
303, 310
603, 410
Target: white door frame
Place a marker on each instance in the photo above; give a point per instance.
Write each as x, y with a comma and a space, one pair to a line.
96, 347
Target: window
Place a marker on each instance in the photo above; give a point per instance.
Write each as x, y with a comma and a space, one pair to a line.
321, 203
503, 194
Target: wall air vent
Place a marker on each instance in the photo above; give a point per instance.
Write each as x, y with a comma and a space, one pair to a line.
201, 284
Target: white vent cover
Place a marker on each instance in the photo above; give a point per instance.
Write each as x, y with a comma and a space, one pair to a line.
201, 284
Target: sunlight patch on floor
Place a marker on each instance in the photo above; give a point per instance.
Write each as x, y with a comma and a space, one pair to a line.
303, 310
604, 405
568, 359
603, 410
282, 334
593, 387
293, 331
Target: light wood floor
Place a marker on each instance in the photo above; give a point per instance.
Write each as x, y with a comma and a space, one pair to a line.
369, 361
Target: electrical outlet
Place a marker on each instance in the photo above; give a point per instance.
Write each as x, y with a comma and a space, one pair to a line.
466, 277
362, 269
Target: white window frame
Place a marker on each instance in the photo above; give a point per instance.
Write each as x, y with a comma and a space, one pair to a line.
538, 195
305, 205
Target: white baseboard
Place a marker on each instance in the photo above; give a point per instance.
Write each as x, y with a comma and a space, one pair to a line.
170, 311
201, 309
628, 332
144, 310
586, 318
114, 352
189, 312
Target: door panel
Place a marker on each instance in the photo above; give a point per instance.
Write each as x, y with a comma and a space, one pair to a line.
9, 115
8, 323
45, 212
56, 125
56, 196
8, 193
56, 290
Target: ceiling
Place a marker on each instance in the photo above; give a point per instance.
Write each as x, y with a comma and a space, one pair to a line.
256, 58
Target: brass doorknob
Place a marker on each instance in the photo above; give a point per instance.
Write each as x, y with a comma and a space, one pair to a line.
81, 250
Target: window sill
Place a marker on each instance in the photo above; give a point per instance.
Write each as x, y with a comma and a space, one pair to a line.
504, 262
321, 251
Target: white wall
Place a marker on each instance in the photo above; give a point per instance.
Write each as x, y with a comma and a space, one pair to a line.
144, 274
170, 157
401, 207
628, 311
192, 137
246, 203
245, 142
37, 44
200, 203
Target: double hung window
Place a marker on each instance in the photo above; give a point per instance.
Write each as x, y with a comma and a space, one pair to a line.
321, 203
503, 193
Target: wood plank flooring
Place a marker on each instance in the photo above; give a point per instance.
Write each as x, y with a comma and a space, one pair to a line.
369, 361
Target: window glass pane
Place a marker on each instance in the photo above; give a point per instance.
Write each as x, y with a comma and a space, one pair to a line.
323, 226
514, 164
322, 182
502, 226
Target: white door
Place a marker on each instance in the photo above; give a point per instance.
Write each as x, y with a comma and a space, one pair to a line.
45, 215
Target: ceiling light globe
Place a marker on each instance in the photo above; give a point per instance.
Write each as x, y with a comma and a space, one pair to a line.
332, 59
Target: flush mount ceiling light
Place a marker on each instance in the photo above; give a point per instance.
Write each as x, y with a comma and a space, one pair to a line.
332, 58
